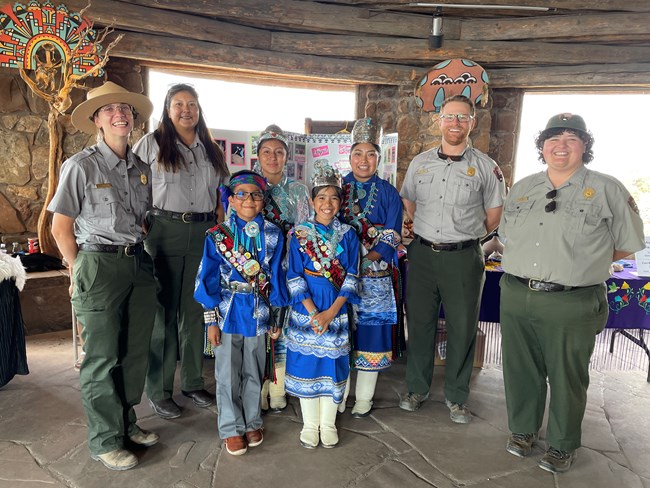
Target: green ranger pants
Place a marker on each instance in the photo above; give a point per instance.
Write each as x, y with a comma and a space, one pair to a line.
549, 335
176, 248
454, 279
112, 298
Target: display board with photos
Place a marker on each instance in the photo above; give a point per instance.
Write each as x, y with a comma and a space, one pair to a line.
240, 149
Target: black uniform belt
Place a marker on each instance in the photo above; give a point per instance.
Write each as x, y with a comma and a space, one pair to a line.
537, 285
446, 246
186, 217
129, 249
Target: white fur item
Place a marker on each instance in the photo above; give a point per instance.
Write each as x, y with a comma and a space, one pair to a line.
12, 268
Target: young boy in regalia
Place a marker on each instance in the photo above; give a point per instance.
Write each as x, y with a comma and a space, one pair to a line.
239, 279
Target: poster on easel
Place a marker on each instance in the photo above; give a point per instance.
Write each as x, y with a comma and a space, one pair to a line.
240, 149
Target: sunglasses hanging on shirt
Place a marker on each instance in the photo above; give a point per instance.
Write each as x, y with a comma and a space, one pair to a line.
552, 205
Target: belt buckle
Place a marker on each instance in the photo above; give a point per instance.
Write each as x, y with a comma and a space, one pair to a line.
530, 285
183, 217
128, 250
433, 247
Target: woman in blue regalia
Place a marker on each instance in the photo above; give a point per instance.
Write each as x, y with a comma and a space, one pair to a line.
373, 207
322, 279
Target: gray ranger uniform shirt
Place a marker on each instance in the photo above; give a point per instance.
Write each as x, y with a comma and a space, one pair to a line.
193, 188
452, 196
107, 196
572, 246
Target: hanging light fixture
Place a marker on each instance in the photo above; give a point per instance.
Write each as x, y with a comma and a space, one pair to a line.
435, 39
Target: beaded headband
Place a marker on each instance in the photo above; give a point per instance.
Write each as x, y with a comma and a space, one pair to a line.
247, 178
272, 132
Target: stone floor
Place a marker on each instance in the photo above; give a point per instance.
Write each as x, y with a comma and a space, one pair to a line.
43, 443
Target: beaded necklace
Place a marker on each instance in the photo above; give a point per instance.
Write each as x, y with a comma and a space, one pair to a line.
355, 193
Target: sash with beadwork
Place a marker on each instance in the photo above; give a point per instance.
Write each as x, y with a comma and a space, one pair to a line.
273, 213
330, 267
244, 262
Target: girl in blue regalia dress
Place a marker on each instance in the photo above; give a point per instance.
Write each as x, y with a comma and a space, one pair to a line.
322, 279
373, 207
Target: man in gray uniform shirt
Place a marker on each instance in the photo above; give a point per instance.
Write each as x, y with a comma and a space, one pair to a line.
562, 228
454, 193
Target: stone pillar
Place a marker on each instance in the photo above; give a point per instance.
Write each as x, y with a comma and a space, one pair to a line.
24, 145
418, 131
506, 116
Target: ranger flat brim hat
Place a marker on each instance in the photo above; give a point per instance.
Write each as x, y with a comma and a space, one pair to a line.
567, 121
109, 92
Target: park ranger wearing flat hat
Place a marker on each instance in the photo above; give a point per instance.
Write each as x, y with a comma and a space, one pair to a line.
562, 228
99, 209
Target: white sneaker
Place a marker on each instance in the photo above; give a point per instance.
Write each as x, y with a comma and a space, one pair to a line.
117, 460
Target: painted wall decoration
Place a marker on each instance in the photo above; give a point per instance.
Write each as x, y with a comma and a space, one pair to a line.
43, 37
55, 51
448, 78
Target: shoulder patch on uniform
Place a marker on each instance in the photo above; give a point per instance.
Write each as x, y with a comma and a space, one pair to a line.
497, 172
632, 204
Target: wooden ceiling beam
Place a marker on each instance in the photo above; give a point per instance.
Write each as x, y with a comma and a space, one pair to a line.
172, 50
145, 19
595, 76
621, 26
206, 56
627, 5
417, 51
304, 16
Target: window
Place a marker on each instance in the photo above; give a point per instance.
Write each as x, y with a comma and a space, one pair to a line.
618, 122
239, 106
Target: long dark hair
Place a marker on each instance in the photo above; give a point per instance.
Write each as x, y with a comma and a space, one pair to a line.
168, 154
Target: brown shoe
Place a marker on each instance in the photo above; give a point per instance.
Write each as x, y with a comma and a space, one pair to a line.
236, 445
521, 445
556, 460
255, 437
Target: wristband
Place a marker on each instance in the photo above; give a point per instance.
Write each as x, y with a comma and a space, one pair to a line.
313, 312
210, 317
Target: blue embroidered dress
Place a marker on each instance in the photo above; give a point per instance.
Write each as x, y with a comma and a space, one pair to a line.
217, 280
318, 365
374, 209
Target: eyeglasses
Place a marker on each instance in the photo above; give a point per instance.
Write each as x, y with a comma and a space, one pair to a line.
257, 196
459, 117
552, 205
125, 108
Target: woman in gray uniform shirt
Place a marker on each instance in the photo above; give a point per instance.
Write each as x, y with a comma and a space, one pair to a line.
562, 228
187, 168
99, 210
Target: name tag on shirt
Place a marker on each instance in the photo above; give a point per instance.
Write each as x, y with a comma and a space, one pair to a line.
103, 185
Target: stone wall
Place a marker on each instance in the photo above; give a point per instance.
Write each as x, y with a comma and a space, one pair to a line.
395, 109
506, 116
24, 146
